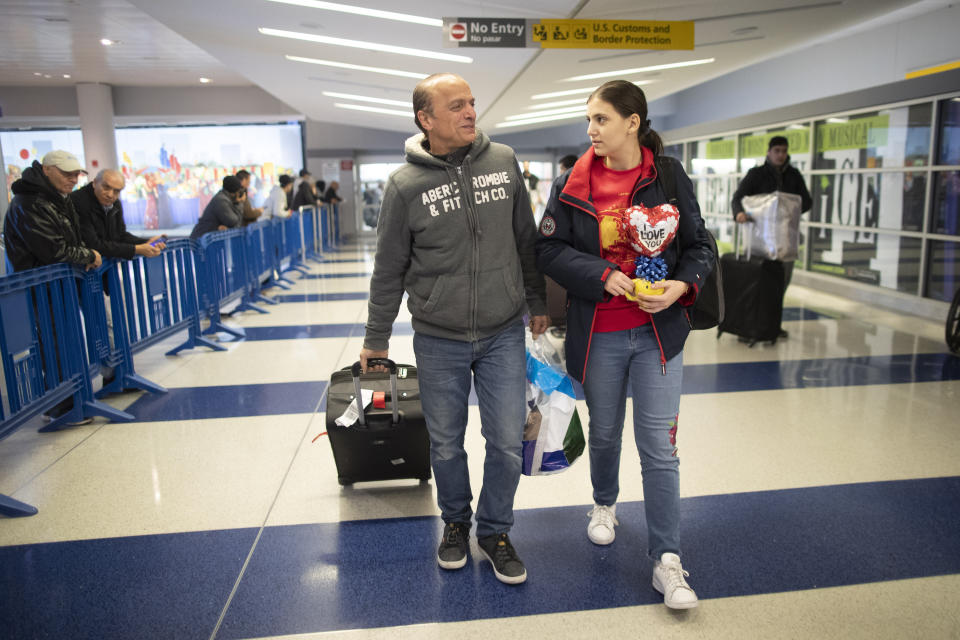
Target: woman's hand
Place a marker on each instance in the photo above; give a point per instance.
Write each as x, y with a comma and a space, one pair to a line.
672, 291
618, 283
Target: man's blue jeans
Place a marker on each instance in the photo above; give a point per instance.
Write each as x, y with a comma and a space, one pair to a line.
618, 361
498, 367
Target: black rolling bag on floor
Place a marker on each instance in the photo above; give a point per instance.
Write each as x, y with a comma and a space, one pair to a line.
752, 297
389, 440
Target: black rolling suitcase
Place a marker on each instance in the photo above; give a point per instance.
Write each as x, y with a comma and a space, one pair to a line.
752, 297
386, 443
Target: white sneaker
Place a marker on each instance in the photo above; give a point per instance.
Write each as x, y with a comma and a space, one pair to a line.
669, 579
602, 521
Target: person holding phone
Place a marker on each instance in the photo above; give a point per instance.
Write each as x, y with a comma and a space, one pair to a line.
102, 226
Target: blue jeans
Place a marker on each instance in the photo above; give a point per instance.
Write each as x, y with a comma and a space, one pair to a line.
498, 367
632, 357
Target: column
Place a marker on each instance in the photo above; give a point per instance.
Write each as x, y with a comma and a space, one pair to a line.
95, 104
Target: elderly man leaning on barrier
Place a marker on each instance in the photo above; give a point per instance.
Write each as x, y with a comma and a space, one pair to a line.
41, 226
101, 219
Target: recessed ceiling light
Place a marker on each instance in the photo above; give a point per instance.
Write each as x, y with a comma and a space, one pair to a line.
559, 103
359, 67
359, 44
520, 123
350, 96
108, 42
47, 75
204, 80
623, 72
549, 112
568, 92
361, 107
37, 73
66, 75
363, 11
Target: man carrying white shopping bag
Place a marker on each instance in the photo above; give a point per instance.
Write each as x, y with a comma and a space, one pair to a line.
775, 174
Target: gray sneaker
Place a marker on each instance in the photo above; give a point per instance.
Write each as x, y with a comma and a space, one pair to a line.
452, 552
507, 565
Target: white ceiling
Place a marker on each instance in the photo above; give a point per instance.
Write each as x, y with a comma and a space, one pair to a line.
175, 42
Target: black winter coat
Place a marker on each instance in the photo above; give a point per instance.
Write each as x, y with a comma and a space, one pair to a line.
41, 226
766, 178
102, 230
569, 251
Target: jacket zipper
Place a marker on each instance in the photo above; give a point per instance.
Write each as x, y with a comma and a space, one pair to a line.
475, 259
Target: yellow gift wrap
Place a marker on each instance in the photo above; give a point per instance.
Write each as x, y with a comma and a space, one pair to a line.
643, 286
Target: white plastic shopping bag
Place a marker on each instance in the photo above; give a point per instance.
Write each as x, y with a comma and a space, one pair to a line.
553, 436
776, 232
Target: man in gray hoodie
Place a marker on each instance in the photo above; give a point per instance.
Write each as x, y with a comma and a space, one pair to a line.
456, 233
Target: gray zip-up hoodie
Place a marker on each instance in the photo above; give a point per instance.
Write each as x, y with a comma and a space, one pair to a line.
460, 241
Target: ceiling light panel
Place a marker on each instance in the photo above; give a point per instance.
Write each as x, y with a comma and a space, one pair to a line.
520, 123
656, 67
350, 96
359, 44
363, 11
358, 67
559, 103
582, 108
363, 107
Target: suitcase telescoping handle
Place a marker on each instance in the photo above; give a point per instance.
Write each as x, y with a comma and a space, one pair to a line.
373, 362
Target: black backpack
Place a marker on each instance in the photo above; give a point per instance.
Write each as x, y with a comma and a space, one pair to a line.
707, 311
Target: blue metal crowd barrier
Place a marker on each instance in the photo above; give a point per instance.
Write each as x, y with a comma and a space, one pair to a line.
260, 249
156, 298
224, 277
336, 225
296, 247
51, 348
308, 230
45, 363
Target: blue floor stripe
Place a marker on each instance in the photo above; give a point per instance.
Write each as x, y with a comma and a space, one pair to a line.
327, 276
791, 314
374, 573
229, 401
824, 372
194, 403
296, 332
321, 297
362, 574
158, 586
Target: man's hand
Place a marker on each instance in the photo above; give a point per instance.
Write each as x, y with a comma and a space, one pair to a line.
672, 291
147, 250
743, 217
221, 227
539, 324
366, 354
97, 260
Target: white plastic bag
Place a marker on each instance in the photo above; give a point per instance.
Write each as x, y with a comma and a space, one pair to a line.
776, 232
552, 436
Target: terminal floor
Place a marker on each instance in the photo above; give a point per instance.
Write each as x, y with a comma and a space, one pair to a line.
820, 483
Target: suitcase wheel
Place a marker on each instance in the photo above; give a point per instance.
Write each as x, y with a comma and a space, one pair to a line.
345, 482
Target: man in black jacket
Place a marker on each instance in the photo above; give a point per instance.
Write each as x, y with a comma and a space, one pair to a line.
776, 174
221, 213
101, 219
41, 226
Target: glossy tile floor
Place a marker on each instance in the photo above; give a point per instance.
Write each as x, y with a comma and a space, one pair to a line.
820, 481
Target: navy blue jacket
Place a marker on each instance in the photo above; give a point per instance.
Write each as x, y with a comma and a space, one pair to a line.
569, 251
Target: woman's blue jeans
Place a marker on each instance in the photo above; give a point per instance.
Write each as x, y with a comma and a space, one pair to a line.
630, 360
498, 368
